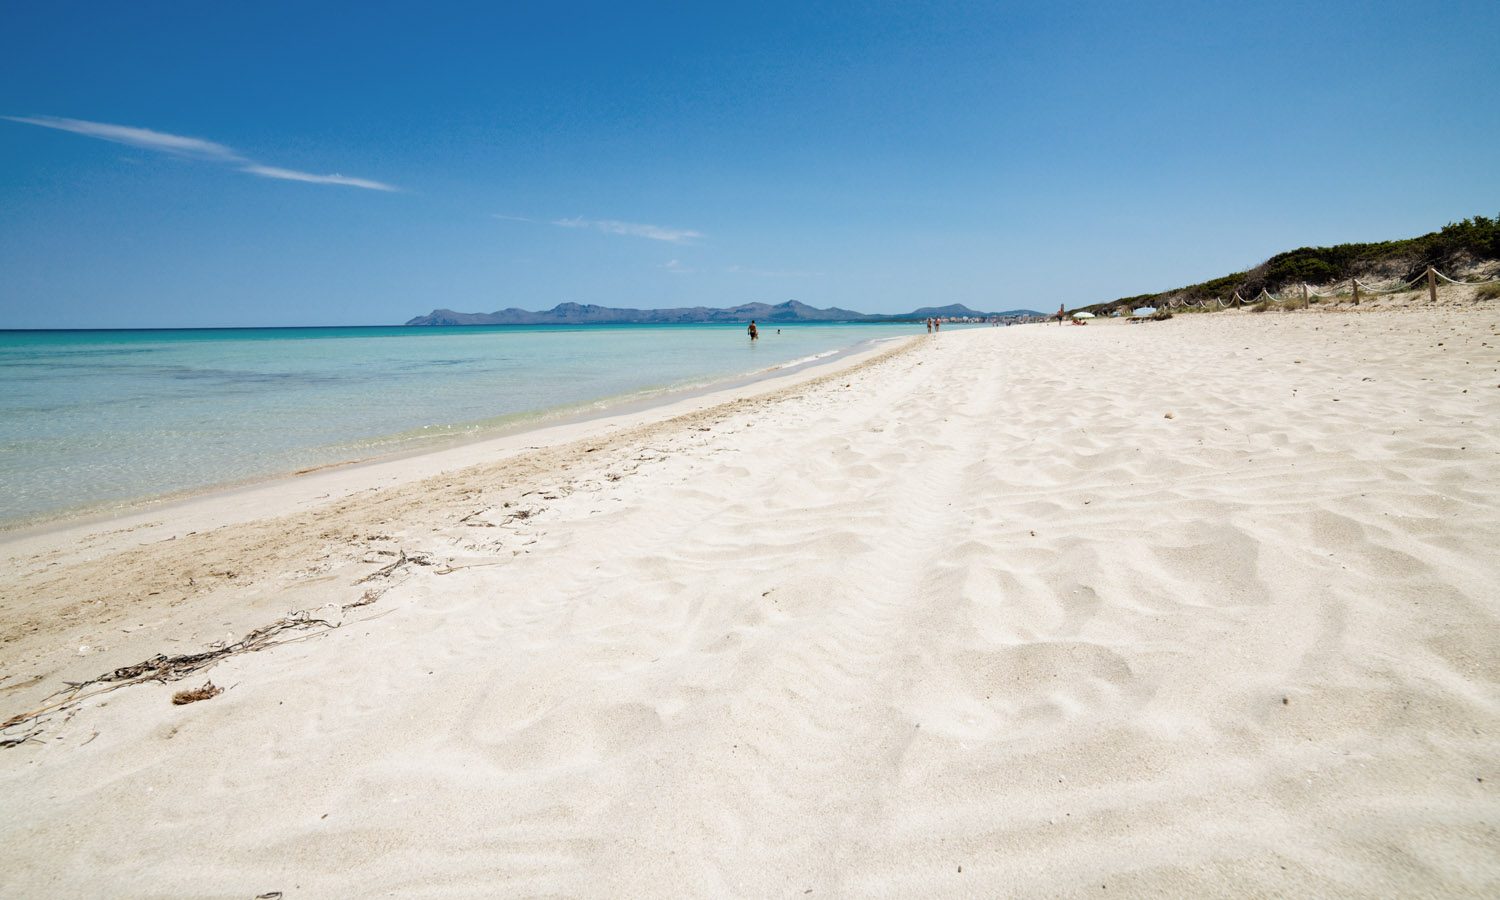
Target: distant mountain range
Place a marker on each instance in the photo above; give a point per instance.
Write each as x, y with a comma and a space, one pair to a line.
790, 311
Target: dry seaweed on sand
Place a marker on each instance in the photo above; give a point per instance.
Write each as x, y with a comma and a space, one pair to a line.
17, 740
365, 599
193, 695
162, 668
174, 668
421, 559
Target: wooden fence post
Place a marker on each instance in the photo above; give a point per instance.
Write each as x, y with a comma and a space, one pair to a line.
1304, 295
1355, 282
1432, 284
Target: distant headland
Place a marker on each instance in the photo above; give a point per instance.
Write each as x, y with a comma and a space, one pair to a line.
790, 311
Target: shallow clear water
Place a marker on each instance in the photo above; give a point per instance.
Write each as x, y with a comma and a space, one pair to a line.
100, 418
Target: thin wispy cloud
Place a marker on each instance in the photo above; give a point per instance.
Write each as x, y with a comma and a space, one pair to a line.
676, 267
192, 148
145, 138
310, 178
771, 273
633, 229
510, 218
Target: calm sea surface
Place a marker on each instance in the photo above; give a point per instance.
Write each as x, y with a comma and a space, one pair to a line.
96, 419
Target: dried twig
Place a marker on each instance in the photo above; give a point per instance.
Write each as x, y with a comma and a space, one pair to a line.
385, 571
419, 559
17, 741
174, 668
368, 597
475, 513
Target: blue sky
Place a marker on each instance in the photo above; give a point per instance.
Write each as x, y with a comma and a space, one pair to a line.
174, 164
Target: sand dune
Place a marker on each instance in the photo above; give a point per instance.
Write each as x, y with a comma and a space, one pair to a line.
1202, 607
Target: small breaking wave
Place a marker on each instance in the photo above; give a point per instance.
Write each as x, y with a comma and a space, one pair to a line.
806, 359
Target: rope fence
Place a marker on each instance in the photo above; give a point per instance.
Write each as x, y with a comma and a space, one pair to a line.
1430, 278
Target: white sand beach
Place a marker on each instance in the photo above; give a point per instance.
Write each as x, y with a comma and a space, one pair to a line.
1203, 607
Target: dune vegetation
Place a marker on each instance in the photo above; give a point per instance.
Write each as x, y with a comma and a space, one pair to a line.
1452, 248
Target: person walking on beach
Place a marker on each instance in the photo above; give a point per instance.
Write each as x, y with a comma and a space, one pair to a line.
1062, 314
937, 324
754, 332
929, 325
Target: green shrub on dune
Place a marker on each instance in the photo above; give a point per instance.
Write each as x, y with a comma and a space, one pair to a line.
1451, 247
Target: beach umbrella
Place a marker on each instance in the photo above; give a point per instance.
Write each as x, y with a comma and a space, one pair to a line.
1145, 311
1083, 315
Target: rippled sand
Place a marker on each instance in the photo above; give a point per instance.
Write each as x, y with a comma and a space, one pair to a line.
1201, 607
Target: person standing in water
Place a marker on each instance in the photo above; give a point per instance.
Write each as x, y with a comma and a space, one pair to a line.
754, 332
929, 325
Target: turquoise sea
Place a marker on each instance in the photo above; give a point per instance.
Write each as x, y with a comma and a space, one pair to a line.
99, 419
